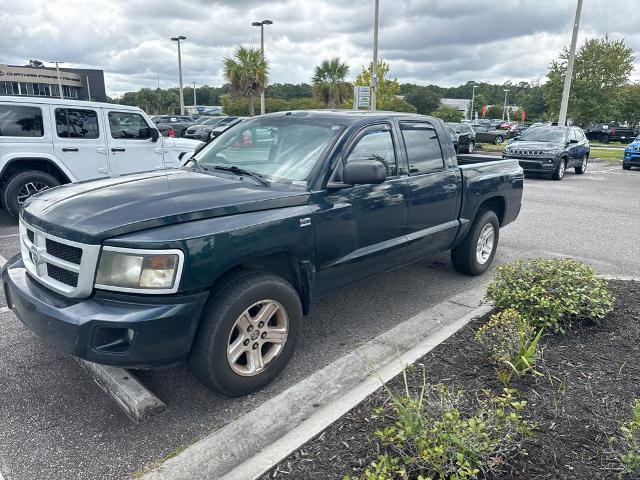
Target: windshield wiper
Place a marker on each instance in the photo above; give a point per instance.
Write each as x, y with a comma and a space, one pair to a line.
242, 171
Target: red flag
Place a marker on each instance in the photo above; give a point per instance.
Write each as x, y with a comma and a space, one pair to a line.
484, 110
523, 115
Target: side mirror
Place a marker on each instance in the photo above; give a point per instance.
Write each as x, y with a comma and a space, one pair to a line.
364, 172
155, 134
573, 140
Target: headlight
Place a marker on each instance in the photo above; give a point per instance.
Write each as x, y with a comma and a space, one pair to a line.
141, 271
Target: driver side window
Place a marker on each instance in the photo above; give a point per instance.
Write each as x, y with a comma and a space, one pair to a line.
376, 144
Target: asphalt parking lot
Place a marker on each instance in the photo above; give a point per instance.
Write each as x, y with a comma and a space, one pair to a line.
55, 423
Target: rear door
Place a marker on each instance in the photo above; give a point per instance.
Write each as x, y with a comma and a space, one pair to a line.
79, 141
130, 146
435, 189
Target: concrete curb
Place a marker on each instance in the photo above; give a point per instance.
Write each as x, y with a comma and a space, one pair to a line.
285, 422
133, 397
622, 278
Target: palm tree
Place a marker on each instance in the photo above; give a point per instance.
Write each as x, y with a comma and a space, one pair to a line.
329, 82
247, 73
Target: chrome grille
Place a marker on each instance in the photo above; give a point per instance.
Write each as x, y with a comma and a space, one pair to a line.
64, 266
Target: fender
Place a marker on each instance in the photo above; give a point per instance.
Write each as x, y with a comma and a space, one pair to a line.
15, 157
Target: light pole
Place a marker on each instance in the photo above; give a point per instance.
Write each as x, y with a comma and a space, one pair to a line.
177, 39
564, 103
374, 77
473, 97
195, 108
59, 80
261, 25
504, 109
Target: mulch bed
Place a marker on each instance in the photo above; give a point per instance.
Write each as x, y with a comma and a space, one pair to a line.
592, 376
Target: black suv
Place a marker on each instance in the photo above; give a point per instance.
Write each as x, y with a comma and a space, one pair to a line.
466, 136
551, 150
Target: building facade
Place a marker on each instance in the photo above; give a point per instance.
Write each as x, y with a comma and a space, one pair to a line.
81, 84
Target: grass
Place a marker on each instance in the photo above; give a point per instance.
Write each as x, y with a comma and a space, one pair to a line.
157, 464
490, 147
607, 154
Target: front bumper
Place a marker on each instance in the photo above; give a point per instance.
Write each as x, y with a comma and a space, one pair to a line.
121, 330
632, 159
537, 164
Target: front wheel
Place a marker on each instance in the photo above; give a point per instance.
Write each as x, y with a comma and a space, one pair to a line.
558, 174
470, 146
475, 254
583, 166
22, 186
626, 167
498, 140
247, 334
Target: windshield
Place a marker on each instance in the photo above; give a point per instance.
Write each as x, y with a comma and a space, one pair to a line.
279, 148
538, 134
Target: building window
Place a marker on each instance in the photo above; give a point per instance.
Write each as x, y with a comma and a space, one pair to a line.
20, 121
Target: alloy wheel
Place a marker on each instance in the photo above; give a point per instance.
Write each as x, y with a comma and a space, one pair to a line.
484, 247
29, 189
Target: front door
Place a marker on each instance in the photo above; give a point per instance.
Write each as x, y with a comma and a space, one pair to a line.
80, 142
360, 229
434, 191
131, 148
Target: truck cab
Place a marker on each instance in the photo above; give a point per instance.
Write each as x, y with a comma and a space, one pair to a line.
45, 142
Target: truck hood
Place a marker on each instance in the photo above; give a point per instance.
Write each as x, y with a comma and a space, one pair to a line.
181, 143
91, 212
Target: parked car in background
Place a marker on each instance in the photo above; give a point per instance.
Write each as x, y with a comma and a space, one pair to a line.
518, 129
173, 125
466, 136
632, 154
612, 131
45, 142
454, 137
488, 135
200, 131
220, 129
551, 150
218, 262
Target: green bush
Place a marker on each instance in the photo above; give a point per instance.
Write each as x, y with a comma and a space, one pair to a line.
551, 293
513, 343
430, 436
628, 444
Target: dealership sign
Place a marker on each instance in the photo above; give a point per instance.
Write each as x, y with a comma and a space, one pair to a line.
38, 75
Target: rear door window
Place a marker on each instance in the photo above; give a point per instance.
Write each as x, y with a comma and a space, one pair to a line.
20, 121
76, 123
423, 148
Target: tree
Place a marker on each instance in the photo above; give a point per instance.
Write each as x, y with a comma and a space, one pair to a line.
396, 104
247, 73
36, 64
601, 70
425, 100
329, 82
387, 88
448, 114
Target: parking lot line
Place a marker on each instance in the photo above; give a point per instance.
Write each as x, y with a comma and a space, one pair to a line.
9, 235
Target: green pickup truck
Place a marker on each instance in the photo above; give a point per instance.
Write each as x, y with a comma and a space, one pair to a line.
217, 262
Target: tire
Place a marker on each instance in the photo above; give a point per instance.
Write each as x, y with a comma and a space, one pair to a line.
498, 140
605, 138
20, 184
626, 167
471, 146
558, 174
583, 167
465, 257
222, 325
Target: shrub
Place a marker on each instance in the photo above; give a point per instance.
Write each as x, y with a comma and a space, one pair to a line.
628, 445
551, 293
513, 343
431, 437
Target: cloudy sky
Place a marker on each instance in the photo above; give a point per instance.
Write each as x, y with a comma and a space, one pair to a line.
445, 42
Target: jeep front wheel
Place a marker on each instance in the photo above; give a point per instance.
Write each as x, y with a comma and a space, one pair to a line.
248, 333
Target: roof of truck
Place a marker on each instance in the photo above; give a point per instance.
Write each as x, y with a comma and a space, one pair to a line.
60, 101
348, 116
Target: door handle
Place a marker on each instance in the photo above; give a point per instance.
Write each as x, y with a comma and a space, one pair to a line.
69, 149
103, 170
450, 187
118, 149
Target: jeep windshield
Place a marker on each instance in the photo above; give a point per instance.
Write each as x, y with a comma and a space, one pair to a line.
276, 148
542, 134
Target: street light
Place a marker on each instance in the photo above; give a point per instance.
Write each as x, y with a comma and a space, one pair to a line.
195, 107
59, 80
177, 39
564, 103
261, 25
473, 97
373, 83
504, 109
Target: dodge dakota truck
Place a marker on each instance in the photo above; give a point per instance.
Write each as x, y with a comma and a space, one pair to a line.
217, 262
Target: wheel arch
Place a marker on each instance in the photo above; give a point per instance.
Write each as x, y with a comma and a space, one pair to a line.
23, 164
497, 204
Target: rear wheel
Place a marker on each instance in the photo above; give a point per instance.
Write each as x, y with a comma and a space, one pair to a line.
605, 138
247, 334
560, 169
475, 254
583, 166
626, 167
22, 186
498, 140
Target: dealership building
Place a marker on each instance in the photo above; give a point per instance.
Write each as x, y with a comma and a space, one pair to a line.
77, 83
